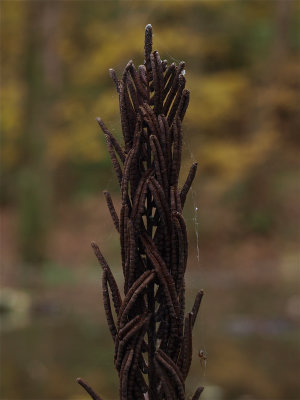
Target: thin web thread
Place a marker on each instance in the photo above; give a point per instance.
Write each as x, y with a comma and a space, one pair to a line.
195, 219
195, 205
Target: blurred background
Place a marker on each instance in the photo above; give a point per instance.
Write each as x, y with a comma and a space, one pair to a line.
243, 214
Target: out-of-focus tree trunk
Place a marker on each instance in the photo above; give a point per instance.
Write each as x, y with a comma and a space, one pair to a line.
282, 30
42, 74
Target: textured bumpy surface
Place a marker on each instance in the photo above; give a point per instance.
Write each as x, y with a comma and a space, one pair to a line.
152, 335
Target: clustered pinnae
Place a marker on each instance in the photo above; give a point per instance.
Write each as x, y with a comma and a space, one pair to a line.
152, 336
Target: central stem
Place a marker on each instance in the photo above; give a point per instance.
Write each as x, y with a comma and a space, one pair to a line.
151, 333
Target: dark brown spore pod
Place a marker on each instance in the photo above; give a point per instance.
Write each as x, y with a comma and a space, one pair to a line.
152, 335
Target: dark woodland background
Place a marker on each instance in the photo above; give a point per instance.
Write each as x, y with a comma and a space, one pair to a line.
242, 126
